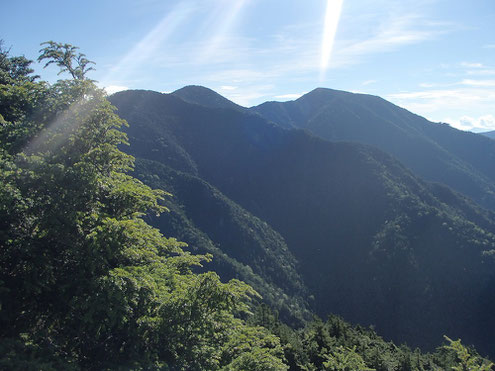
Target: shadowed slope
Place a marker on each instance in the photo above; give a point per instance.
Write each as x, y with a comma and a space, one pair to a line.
437, 152
374, 243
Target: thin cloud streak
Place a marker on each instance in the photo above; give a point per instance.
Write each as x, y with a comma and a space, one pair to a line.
460, 94
431, 103
484, 72
391, 34
289, 96
486, 83
472, 65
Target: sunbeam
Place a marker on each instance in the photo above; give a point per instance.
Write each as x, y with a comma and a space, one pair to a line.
332, 17
135, 58
230, 12
154, 40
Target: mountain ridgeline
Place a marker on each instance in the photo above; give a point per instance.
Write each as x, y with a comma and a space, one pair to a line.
331, 227
436, 152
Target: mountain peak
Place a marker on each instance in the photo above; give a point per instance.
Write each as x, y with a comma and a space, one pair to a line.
206, 97
325, 93
199, 89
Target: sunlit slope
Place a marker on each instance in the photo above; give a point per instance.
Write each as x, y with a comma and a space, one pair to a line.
436, 152
374, 243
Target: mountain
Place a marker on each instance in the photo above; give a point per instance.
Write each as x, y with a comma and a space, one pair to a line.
489, 134
436, 152
370, 240
206, 97
243, 247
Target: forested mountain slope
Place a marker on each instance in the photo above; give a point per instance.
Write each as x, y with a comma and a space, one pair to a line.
374, 243
242, 246
437, 152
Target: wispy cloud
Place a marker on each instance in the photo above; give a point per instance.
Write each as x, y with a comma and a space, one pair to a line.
216, 52
298, 53
111, 89
368, 82
250, 93
289, 96
427, 85
486, 83
449, 97
390, 34
435, 103
480, 124
471, 65
486, 72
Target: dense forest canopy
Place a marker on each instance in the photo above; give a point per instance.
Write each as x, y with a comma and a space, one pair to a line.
86, 283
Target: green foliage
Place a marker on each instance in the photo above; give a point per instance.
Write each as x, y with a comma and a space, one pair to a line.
467, 361
85, 282
337, 345
20, 98
65, 57
344, 359
242, 246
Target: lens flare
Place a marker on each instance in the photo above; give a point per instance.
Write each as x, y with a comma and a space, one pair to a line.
332, 17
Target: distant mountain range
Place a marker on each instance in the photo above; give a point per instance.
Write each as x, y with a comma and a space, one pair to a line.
437, 152
327, 219
489, 134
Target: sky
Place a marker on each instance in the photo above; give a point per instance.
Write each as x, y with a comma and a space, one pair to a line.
435, 58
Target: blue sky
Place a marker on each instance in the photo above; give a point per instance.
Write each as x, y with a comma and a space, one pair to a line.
433, 57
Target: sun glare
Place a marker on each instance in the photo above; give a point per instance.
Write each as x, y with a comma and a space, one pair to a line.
332, 16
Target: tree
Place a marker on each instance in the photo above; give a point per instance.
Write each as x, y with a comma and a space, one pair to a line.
66, 57
466, 360
344, 359
84, 281
20, 97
